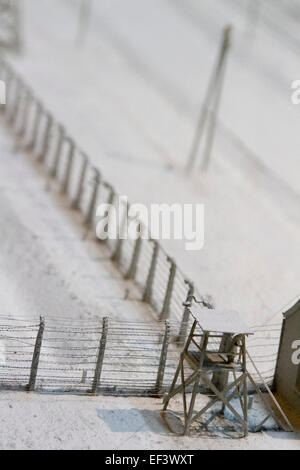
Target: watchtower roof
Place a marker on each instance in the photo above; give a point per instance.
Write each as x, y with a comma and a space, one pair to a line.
220, 321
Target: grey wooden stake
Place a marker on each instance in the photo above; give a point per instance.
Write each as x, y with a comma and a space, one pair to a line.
60, 141
116, 256
147, 296
38, 114
23, 126
110, 202
131, 273
18, 106
92, 206
213, 95
70, 158
46, 138
78, 197
100, 358
16, 102
186, 314
36, 356
163, 360
214, 112
165, 313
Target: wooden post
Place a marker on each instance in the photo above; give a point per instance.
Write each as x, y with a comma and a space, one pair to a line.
21, 90
60, 141
78, 197
46, 137
36, 356
165, 313
38, 113
100, 358
147, 297
70, 157
110, 202
17, 100
163, 360
116, 256
188, 418
209, 111
131, 273
91, 209
186, 314
24, 123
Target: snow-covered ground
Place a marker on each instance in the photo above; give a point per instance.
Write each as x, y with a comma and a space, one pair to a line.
49, 267
72, 422
131, 95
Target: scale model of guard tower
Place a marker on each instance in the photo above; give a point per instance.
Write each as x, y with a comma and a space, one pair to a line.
215, 356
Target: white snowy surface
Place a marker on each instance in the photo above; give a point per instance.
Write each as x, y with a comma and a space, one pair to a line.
131, 96
49, 265
71, 422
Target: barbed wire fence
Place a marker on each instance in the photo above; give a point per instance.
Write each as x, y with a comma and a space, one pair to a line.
162, 283
111, 357
106, 356
144, 261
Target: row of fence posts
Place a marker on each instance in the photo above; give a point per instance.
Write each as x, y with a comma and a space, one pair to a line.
158, 389
19, 107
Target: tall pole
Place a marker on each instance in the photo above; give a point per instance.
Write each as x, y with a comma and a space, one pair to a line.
210, 107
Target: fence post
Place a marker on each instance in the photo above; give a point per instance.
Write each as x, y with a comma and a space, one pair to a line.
18, 106
28, 101
110, 202
60, 140
91, 209
46, 139
186, 314
17, 101
163, 360
209, 110
136, 255
39, 110
165, 313
149, 284
116, 256
36, 356
77, 199
100, 358
67, 175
